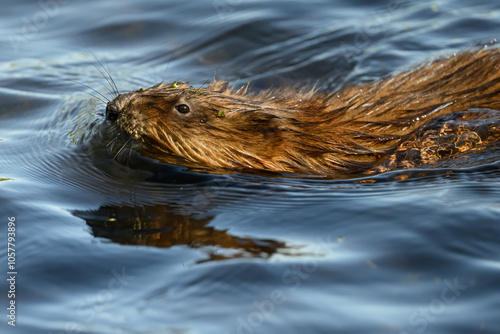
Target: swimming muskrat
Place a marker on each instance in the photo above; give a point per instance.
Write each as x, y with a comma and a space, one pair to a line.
411, 119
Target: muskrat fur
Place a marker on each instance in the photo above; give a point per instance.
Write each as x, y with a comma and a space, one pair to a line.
359, 129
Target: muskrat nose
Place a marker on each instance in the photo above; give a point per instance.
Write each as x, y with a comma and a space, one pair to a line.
112, 112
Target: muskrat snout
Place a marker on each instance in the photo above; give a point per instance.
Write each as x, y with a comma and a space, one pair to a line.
112, 112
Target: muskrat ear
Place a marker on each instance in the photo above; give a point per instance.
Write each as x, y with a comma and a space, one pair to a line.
219, 86
224, 86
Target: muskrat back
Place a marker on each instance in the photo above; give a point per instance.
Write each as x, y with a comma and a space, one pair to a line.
359, 129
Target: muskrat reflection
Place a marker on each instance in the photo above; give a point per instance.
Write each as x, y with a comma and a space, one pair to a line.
162, 226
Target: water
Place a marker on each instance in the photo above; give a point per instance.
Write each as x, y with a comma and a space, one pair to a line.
106, 248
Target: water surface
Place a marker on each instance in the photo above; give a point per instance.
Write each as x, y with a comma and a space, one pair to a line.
104, 247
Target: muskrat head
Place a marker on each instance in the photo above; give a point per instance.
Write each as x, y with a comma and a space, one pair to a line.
214, 126
162, 113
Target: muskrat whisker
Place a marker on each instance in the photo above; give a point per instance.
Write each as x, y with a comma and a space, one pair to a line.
170, 60
94, 96
106, 100
111, 141
212, 77
110, 82
117, 91
123, 146
129, 155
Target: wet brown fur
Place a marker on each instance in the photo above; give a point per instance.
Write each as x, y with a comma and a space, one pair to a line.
357, 129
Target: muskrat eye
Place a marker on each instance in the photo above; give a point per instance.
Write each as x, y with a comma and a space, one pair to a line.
183, 108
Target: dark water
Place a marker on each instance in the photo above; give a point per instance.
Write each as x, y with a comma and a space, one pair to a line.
107, 248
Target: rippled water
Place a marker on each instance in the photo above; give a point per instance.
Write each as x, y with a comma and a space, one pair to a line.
103, 247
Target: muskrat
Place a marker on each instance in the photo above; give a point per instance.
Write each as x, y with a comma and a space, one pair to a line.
402, 121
